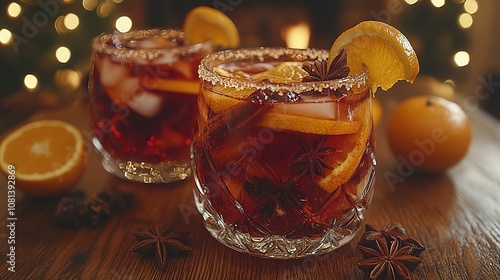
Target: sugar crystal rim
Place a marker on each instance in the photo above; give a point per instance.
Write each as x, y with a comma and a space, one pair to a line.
206, 73
102, 44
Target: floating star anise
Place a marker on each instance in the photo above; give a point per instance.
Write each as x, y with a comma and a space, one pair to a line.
312, 158
161, 242
388, 260
277, 196
320, 71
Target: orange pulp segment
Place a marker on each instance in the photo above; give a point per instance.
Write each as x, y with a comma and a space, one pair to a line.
48, 156
204, 24
383, 49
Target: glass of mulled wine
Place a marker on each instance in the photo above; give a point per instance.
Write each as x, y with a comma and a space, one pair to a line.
283, 165
143, 90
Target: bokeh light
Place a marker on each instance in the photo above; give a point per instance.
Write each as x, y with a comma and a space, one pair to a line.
5, 36
471, 6
63, 54
438, 3
14, 10
461, 58
30, 81
68, 78
103, 10
71, 21
123, 24
89, 5
411, 2
465, 20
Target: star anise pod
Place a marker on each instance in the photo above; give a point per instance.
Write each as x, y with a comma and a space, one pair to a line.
320, 71
161, 242
388, 260
390, 232
312, 158
278, 196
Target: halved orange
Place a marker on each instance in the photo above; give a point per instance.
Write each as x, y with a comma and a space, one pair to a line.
384, 50
47, 156
204, 24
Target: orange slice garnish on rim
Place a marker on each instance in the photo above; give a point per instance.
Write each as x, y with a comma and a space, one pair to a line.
204, 24
384, 50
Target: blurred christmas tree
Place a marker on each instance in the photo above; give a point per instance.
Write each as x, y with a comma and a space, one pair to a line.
46, 44
438, 30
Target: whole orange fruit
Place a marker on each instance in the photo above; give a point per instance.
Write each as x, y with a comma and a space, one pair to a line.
429, 133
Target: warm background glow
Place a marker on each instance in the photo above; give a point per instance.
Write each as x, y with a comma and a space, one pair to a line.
297, 35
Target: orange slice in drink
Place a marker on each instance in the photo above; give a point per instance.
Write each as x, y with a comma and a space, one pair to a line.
176, 85
308, 125
290, 71
383, 49
317, 118
286, 72
348, 158
204, 24
47, 157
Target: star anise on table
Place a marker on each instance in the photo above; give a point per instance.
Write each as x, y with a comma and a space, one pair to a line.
320, 71
390, 232
388, 260
312, 158
161, 242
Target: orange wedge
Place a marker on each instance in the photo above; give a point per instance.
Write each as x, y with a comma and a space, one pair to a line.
383, 49
47, 156
204, 24
348, 159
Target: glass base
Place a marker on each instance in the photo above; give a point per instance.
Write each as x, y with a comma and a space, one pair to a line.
144, 172
280, 247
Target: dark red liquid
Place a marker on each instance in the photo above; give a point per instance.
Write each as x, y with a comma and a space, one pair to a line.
138, 113
263, 180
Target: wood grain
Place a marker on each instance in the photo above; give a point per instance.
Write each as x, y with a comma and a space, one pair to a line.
455, 215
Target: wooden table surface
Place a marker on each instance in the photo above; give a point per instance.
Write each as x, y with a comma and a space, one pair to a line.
456, 215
